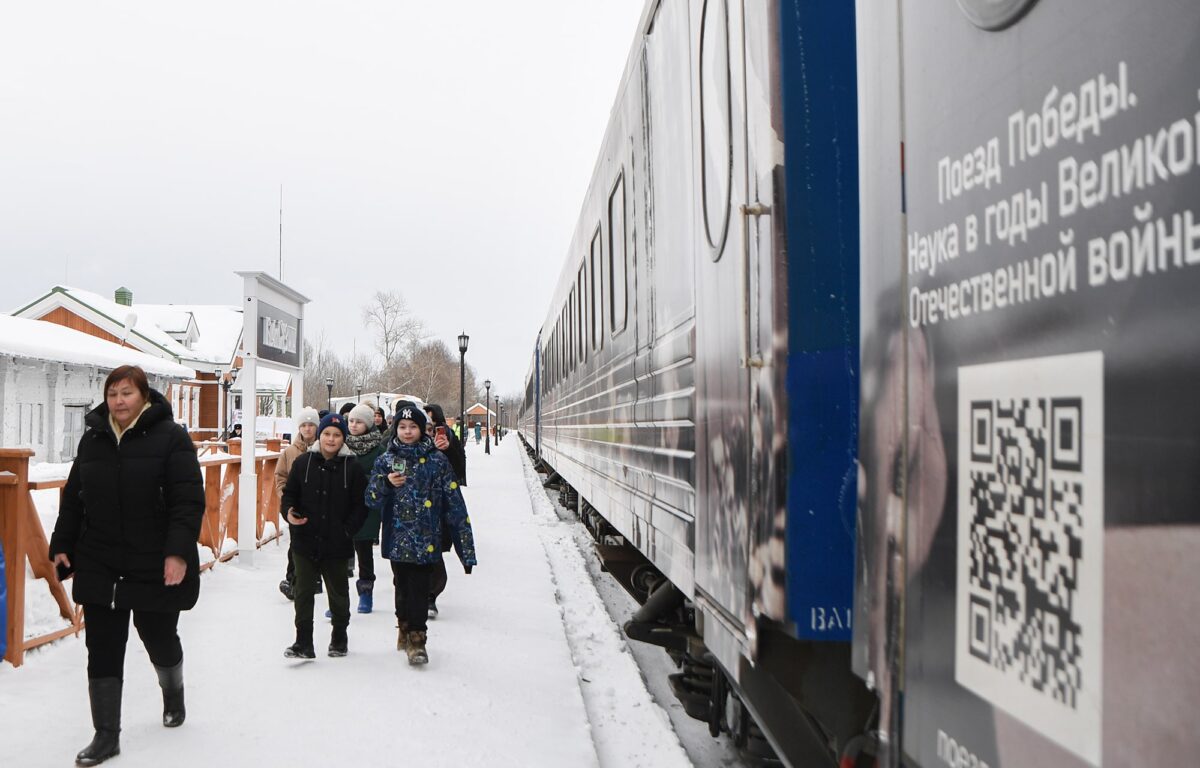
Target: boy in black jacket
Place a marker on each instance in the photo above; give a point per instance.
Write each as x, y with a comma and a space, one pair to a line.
324, 499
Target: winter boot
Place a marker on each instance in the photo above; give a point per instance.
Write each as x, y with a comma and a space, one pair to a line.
338, 642
303, 647
366, 600
105, 696
170, 679
416, 648
285, 587
433, 610
402, 636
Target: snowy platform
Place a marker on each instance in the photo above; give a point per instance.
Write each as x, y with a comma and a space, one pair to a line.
510, 682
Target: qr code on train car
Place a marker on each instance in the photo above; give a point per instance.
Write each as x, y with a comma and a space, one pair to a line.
1030, 542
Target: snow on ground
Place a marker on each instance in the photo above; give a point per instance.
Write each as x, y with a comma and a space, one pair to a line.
654, 663
526, 669
619, 706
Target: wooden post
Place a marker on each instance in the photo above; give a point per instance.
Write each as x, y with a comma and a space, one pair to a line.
229, 504
14, 497
210, 529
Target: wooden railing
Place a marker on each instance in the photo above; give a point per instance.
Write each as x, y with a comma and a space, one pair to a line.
23, 538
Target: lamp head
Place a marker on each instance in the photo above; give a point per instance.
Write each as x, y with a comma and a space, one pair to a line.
463, 338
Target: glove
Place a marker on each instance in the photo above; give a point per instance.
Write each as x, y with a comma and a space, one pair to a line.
467, 569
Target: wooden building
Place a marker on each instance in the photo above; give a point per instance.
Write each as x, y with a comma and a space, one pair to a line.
204, 338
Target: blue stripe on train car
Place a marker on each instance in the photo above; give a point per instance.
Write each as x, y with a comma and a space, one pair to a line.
821, 144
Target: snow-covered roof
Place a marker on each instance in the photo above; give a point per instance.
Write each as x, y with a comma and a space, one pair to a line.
39, 340
219, 327
478, 407
166, 317
116, 314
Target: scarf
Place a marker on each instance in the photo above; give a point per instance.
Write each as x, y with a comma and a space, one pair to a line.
364, 443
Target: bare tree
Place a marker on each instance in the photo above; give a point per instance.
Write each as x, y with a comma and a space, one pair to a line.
394, 326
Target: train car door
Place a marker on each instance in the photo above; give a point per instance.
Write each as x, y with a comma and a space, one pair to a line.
728, 271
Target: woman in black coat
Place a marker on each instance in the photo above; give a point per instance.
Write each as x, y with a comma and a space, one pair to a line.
127, 527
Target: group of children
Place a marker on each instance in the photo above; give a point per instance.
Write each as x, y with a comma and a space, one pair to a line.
350, 484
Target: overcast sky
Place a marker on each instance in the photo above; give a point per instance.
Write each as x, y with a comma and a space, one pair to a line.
418, 144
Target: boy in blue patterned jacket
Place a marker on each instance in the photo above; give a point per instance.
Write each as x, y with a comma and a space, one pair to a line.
417, 494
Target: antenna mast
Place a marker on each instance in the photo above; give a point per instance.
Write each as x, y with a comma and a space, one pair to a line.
281, 233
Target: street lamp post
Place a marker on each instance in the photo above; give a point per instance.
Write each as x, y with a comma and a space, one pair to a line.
358, 387
220, 401
499, 422
226, 385
463, 338
328, 393
487, 402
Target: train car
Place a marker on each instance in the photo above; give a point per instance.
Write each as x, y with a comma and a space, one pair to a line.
698, 387
976, 220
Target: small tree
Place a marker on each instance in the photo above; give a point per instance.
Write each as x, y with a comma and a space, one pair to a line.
394, 326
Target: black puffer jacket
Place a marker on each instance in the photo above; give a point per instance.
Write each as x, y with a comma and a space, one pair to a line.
331, 493
126, 508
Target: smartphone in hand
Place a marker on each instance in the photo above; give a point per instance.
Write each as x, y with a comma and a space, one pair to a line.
439, 431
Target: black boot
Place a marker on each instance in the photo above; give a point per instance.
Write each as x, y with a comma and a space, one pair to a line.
170, 679
105, 695
303, 647
338, 643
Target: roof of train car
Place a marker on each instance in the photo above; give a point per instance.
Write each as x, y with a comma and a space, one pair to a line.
566, 273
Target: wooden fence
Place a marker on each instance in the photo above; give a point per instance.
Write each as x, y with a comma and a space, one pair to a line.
24, 539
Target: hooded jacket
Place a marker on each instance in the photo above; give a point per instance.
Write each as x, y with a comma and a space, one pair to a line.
329, 492
127, 506
416, 514
455, 452
283, 466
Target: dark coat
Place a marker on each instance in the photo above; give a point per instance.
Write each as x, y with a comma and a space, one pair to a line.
455, 452
331, 494
370, 529
127, 507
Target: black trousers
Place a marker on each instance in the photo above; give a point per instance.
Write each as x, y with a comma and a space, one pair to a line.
337, 589
366, 559
107, 634
438, 579
412, 594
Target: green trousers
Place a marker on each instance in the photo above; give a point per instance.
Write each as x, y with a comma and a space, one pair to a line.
337, 589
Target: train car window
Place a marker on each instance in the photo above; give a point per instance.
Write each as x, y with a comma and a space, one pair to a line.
571, 331
595, 265
617, 266
716, 127
581, 285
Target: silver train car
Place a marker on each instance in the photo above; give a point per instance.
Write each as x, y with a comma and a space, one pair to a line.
870, 370
659, 389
